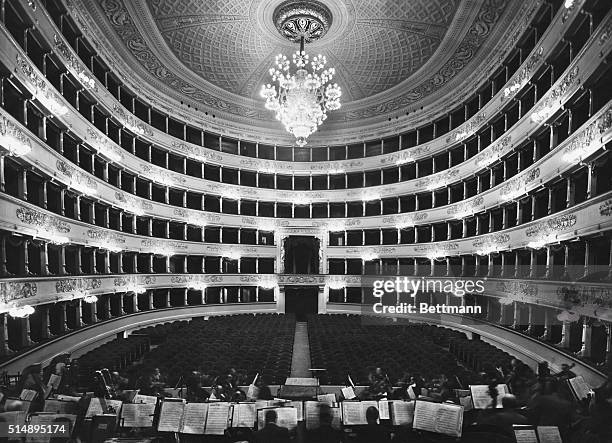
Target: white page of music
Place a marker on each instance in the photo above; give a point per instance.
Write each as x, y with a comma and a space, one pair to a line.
481, 397
194, 418
216, 421
438, 417
525, 436
99, 406
403, 412
287, 418
137, 415
299, 406
549, 434
244, 415
383, 409
353, 413
171, 416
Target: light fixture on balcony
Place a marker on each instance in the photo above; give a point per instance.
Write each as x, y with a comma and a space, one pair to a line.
335, 283
301, 99
267, 282
197, 285
369, 256
21, 311
90, 298
13, 140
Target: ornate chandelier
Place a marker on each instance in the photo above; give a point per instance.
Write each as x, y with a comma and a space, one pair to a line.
302, 98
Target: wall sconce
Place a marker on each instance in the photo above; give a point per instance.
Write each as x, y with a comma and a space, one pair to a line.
21, 311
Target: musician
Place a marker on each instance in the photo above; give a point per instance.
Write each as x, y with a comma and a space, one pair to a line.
325, 433
379, 384
263, 390
506, 417
373, 432
271, 433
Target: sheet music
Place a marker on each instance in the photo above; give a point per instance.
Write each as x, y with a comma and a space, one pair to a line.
329, 399
194, 418
466, 402
402, 412
299, 406
580, 387
287, 417
216, 421
244, 415
549, 434
99, 406
42, 419
311, 414
27, 395
139, 398
525, 436
353, 413
137, 415
16, 418
481, 398
59, 406
383, 409
411, 393
442, 418
349, 393
171, 416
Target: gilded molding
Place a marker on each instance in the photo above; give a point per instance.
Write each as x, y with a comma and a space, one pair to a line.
42, 220
77, 284
10, 291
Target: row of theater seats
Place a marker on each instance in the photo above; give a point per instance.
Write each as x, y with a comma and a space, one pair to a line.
251, 344
115, 355
351, 344
479, 355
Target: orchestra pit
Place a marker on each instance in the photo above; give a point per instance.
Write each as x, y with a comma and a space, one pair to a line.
306, 221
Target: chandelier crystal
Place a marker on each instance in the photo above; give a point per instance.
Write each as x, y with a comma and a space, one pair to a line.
302, 98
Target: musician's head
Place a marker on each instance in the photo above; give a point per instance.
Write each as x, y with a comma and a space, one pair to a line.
372, 415
270, 416
379, 371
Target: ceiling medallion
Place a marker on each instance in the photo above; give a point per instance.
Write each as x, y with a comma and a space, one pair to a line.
303, 97
297, 19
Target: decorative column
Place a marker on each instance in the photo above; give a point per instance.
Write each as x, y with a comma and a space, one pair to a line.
62, 326
167, 305
608, 343
587, 332
549, 262
93, 307
4, 272
135, 302
517, 316
151, 306
185, 300
4, 343
24, 330
121, 310
45, 333
529, 329
565, 335
547, 325
78, 314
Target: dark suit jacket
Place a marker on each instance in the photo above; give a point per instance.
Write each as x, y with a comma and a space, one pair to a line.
272, 433
373, 434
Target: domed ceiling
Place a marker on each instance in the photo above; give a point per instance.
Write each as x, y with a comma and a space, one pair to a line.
374, 44
389, 55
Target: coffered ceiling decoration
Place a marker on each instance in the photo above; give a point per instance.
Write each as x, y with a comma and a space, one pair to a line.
388, 54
